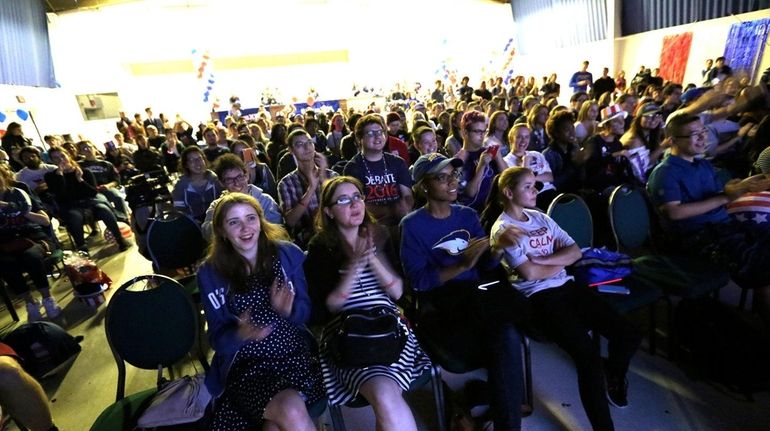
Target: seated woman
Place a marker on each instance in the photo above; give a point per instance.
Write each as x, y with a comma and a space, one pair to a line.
348, 268
444, 251
536, 251
519, 136
643, 141
264, 371
75, 191
24, 245
197, 187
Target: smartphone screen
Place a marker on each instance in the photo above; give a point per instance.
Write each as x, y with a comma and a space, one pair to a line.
248, 155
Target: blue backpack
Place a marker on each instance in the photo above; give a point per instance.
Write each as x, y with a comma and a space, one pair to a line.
601, 266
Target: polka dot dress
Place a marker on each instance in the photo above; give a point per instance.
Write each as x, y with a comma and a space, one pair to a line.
261, 369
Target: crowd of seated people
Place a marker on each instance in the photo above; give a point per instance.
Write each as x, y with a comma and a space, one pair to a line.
387, 203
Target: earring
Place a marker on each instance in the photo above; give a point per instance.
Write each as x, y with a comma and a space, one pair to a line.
425, 190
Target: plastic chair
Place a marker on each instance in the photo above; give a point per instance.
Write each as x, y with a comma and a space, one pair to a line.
571, 213
675, 275
151, 323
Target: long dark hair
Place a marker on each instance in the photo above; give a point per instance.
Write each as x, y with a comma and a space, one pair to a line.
226, 260
494, 206
325, 226
652, 140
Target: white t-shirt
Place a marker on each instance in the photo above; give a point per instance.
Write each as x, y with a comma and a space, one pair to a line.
34, 177
533, 160
542, 238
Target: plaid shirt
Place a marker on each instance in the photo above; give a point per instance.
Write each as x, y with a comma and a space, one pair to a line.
290, 191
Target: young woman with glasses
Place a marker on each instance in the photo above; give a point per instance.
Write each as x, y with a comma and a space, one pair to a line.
350, 267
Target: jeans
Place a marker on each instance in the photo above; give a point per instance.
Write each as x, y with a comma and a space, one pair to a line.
74, 218
566, 314
478, 327
118, 203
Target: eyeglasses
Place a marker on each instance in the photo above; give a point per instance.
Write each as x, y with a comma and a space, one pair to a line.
348, 200
234, 180
373, 134
302, 144
697, 134
445, 178
478, 131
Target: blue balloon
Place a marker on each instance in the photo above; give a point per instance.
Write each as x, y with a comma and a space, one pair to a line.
2, 117
22, 114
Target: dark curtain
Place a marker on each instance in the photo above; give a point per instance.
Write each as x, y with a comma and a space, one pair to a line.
644, 15
546, 24
25, 51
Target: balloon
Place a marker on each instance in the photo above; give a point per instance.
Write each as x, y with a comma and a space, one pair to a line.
2, 117
310, 101
293, 100
22, 114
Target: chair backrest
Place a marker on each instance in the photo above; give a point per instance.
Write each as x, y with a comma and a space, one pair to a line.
151, 323
629, 218
571, 213
175, 241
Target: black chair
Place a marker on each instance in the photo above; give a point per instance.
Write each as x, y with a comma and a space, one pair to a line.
174, 241
675, 275
571, 213
152, 324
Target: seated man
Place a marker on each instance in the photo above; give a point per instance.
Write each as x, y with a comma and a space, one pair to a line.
146, 158
385, 177
106, 176
234, 175
299, 192
685, 190
21, 396
33, 175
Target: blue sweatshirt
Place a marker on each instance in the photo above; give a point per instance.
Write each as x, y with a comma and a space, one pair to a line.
223, 324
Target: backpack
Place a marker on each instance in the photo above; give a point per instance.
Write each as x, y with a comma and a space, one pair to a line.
601, 266
715, 342
43, 347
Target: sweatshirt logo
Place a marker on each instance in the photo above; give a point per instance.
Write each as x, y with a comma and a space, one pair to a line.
454, 243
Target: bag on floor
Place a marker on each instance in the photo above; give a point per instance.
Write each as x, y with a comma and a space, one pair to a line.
601, 266
43, 347
182, 401
717, 343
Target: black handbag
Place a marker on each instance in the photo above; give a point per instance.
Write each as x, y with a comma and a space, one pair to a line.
367, 337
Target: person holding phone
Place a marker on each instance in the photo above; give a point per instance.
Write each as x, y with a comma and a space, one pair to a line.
446, 256
480, 164
535, 253
265, 371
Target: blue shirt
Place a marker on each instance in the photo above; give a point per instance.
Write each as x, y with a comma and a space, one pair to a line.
676, 179
429, 244
581, 76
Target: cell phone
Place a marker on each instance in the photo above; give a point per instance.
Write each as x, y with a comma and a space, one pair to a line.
613, 288
109, 145
248, 155
492, 150
486, 286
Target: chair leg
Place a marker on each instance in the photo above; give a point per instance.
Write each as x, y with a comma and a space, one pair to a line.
338, 423
529, 405
653, 329
8, 302
438, 396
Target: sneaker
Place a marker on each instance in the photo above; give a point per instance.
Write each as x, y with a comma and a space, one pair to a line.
33, 312
52, 309
617, 391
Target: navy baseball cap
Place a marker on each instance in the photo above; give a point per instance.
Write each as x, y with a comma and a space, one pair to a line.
432, 163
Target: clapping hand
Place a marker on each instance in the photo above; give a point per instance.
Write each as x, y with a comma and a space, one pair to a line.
476, 247
282, 296
249, 331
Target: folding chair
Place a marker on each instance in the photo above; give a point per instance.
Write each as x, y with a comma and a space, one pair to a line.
571, 213
151, 323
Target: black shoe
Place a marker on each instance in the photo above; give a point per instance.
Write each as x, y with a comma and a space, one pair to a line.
617, 389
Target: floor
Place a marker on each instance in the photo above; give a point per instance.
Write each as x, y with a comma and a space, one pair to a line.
662, 397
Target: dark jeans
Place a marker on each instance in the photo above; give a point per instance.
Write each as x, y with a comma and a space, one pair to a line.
565, 315
32, 261
74, 219
478, 328
118, 203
